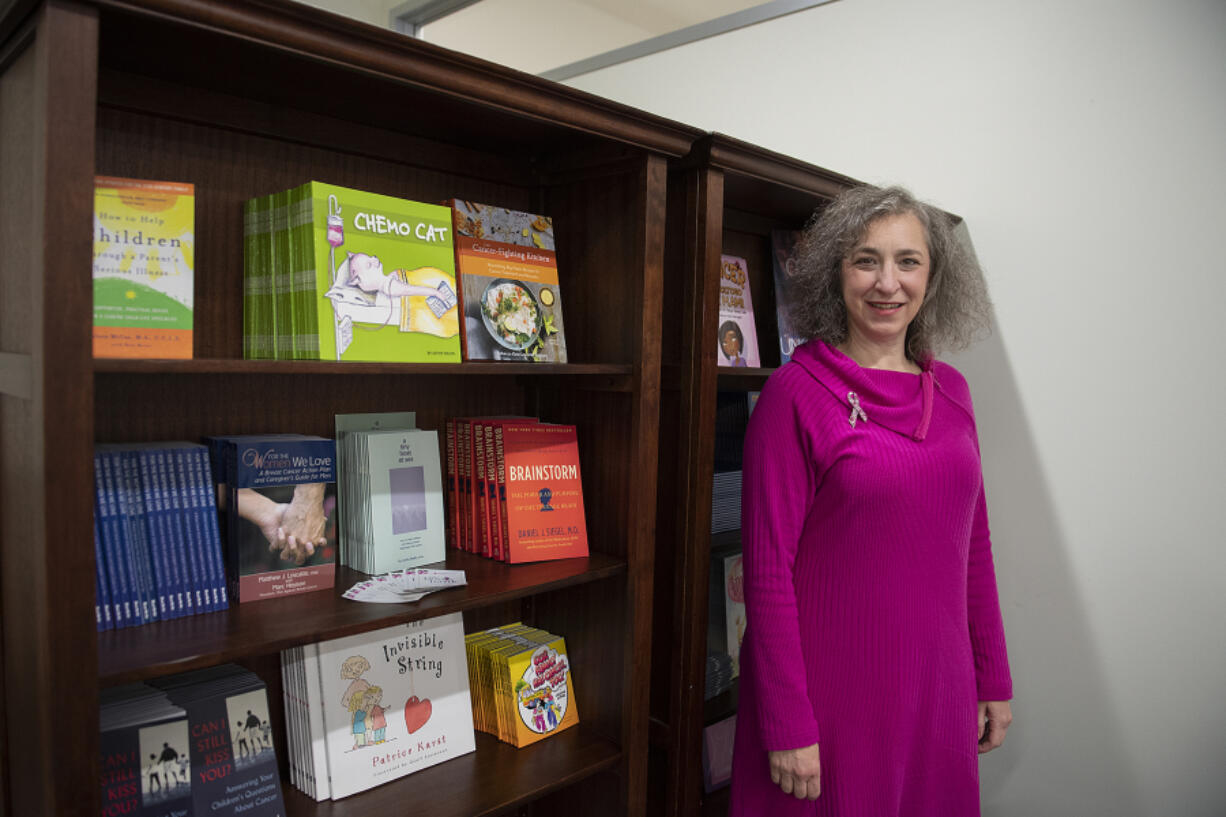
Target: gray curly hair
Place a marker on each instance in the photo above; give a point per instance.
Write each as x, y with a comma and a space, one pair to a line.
956, 309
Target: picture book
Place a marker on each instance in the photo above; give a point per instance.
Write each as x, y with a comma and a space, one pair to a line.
394, 701
783, 262
371, 277
508, 272
542, 516
738, 337
281, 515
144, 258
231, 752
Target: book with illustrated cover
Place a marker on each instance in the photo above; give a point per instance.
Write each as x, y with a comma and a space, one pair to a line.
783, 263
144, 260
737, 342
542, 516
363, 276
508, 272
394, 701
346, 462
280, 514
523, 688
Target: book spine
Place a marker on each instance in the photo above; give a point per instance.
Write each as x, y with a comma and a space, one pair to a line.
302, 252
198, 460
138, 548
102, 593
266, 304
112, 547
452, 506
250, 259
155, 535
464, 485
283, 302
200, 517
481, 505
500, 456
459, 278
192, 530
176, 530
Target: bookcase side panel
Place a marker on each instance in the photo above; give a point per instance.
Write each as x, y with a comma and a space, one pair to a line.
46, 562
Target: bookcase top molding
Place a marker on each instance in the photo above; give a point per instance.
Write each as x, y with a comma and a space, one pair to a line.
301, 31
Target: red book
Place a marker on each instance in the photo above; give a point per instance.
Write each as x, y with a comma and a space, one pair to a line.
543, 511
453, 505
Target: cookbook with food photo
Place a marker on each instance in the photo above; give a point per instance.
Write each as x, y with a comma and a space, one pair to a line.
507, 265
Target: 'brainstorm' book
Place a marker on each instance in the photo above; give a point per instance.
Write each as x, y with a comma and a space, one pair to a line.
542, 515
738, 336
144, 250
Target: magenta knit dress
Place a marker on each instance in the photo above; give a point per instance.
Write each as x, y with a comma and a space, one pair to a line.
873, 622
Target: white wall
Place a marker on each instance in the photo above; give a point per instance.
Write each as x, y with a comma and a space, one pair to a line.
1085, 144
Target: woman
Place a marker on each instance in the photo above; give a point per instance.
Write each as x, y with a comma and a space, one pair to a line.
875, 651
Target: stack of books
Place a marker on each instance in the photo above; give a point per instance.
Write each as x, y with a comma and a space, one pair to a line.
391, 493
514, 489
156, 539
719, 674
371, 708
331, 273
522, 689
726, 501
198, 743
278, 497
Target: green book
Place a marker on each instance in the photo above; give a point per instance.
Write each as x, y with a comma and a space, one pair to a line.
383, 278
258, 328
283, 302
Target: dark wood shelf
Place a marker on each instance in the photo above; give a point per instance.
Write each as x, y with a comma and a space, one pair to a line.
308, 367
139, 653
494, 778
747, 379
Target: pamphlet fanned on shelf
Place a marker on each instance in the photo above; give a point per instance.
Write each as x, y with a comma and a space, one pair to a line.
508, 272
144, 258
738, 337
393, 701
783, 264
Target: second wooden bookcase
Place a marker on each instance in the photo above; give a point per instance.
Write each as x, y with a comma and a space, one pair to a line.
726, 196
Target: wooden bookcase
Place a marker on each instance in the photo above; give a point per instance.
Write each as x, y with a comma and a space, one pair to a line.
725, 196
246, 97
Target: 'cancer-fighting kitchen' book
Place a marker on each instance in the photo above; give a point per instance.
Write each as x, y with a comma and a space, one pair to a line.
508, 272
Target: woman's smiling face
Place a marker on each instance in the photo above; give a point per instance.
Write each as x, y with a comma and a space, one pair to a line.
885, 276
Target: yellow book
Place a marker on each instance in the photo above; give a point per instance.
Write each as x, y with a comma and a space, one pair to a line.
542, 689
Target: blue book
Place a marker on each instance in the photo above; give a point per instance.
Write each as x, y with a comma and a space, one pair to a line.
176, 543
119, 543
102, 595
152, 519
194, 525
141, 550
207, 494
181, 526
110, 562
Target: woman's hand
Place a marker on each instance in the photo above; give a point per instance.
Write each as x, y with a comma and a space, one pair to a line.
798, 771
994, 719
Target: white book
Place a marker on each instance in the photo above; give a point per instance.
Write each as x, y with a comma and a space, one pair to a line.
404, 520
394, 701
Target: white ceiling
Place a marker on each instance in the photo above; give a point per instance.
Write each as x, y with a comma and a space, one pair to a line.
539, 35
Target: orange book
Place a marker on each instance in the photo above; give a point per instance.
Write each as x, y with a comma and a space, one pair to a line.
542, 516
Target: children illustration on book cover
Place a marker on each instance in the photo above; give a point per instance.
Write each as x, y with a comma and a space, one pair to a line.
250, 733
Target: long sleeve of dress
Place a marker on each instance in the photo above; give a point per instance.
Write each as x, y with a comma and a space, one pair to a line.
992, 679
778, 484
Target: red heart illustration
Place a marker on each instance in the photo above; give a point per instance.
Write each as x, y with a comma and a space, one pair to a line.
416, 713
